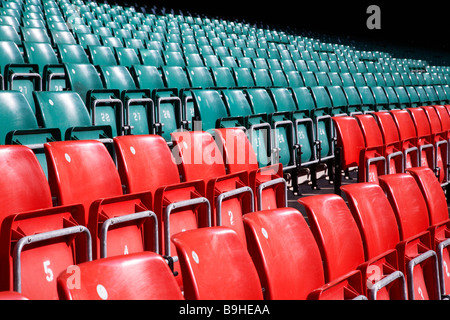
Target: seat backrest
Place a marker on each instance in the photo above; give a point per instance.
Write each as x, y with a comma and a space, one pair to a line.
82, 78
200, 77
147, 77
81, 172
176, 77
60, 109
72, 53
102, 55
197, 155
208, 104
370, 129
407, 202
405, 124
9, 53
216, 265
444, 117
336, 234
16, 114
433, 118
237, 102
374, 216
23, 185
137, 171
261, 101
421, 122
238, 153
433, 194
284, 99
40, 53
388, 127
285, 253
350, 138
138, 276
117, 77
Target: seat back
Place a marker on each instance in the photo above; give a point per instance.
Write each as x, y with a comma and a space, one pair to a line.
433, 194
82, 78
407, 202
117, 77
374, 216
285, 253
371, 131
81, 172
209, 107
197, 156
138, 276
62, 109
24, 185
350, 138
216, 265
405, 125
341, 247
137, 171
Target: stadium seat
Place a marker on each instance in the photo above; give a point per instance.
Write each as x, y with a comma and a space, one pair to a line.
439, 219
288, 259
50, 69
409, 250
342, 247
408, 138
137, 104
17, 74
66, 111
104, 105
35, 236
210, 254
138, 276
101, 55
267, 183
199, 158
413, 220
115, 221
355, 152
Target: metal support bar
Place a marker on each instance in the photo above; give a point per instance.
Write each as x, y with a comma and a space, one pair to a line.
123, 219
28, 240
180, 205
394, 276
410, 272
268, 184
230, 194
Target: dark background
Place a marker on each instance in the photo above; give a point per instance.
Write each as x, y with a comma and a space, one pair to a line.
418, 28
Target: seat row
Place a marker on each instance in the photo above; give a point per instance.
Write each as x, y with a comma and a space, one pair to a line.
390, 142
340, 255
130, 208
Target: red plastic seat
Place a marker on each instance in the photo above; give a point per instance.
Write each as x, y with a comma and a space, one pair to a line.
375, 140
159, 175
238, 155
345, 248
356, 152
395, 158
137, 276
375, 215
198, 157
410, 140
439, 220
216, 265
439, 137
37, 241
429, 140
288, 259
84, 172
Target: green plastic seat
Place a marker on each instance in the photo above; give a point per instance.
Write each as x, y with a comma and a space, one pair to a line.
151, 57
18, 125
137, 103
101, 55
338, 100
51, 70
104, 105
223, 77
200, 77
35, 35
66, 111
17, 74
126, 56
72, 53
